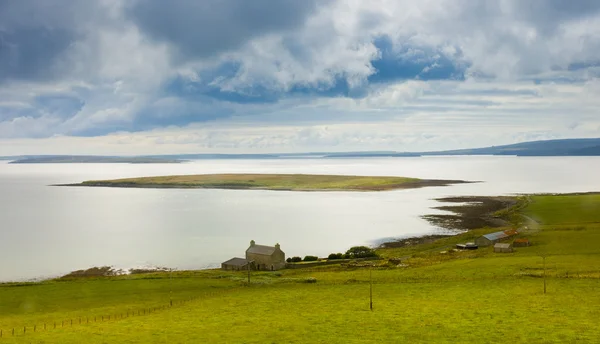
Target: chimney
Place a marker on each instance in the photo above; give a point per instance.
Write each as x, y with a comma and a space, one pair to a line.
252, 243
277, 246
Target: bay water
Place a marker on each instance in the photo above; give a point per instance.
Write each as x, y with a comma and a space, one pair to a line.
49, 230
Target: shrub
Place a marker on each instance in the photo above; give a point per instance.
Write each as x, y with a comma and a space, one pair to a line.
289, 259
295, 259
335, 256
311, 258
96, 271
361, 252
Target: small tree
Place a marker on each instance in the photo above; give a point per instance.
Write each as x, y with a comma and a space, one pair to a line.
296, 259
335, 256
361, 252
311, 258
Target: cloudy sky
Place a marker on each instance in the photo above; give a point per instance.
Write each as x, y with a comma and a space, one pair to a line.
155, 76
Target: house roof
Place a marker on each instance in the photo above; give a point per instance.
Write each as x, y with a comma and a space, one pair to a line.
502, 245
495, 236
236, 261
499, 235
261, 249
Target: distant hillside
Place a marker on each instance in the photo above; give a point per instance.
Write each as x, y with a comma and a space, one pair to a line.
93, 159
567, 147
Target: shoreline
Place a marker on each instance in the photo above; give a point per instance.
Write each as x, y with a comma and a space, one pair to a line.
468, 213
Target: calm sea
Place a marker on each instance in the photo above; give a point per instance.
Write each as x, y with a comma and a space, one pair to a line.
47, 230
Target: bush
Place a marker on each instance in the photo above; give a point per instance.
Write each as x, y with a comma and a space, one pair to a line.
311, 258
335, 256
96, 271
360, 252
295, 259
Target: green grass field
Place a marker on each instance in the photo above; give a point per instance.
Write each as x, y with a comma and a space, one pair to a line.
472, 296
565, 209
296, 182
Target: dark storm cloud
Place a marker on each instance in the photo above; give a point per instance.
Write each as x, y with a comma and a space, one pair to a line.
205, 28
34, 34
31, 53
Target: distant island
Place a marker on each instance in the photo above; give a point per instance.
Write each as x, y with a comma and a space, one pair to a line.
565, 147
284, 182
71, 159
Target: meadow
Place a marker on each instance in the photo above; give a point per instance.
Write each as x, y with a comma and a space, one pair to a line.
291, 182
432, 297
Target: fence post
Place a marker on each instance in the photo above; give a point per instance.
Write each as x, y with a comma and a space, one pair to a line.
24, 329
34, 328
544, 257
13, 331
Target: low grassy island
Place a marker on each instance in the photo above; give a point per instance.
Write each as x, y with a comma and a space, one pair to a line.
289, 182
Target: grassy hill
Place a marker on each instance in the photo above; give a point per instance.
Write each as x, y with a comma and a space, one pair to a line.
472, 296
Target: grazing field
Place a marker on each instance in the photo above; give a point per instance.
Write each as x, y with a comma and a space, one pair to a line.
565, 209
432, 297
293, 182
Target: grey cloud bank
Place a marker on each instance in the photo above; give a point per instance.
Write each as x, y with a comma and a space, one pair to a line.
294, 75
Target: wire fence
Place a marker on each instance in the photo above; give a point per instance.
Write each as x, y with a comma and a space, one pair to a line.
95, 319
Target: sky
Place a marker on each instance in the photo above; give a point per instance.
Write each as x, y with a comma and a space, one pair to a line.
221, 76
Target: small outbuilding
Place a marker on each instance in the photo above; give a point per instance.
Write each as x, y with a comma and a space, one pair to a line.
235, 264
492, 238
503, 248
521, 242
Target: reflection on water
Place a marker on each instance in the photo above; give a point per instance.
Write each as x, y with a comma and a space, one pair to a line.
49, 230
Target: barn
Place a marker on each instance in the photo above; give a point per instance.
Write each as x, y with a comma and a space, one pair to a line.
492, 238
